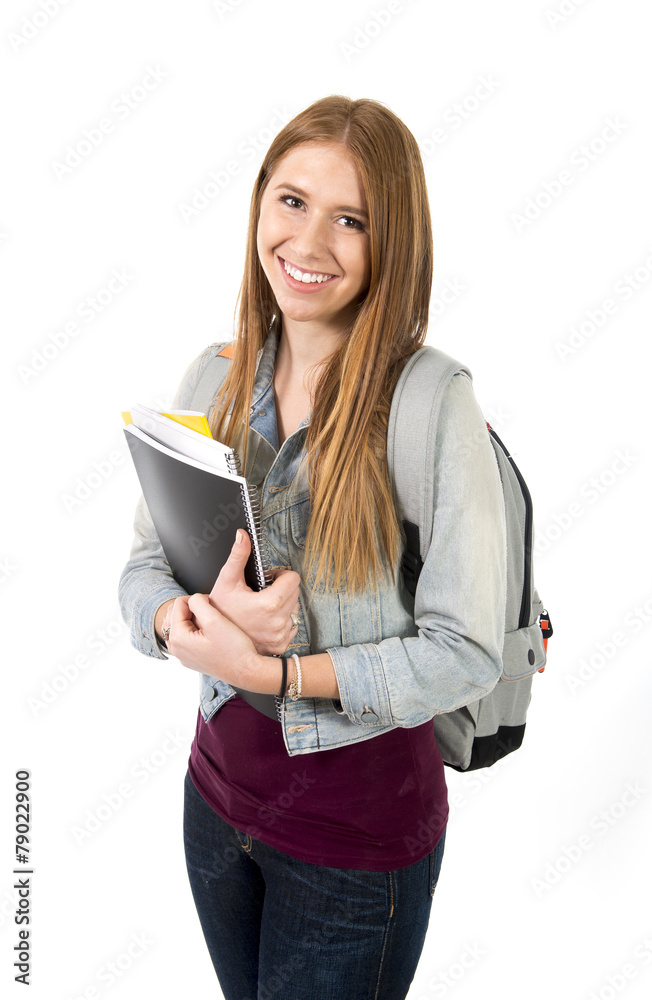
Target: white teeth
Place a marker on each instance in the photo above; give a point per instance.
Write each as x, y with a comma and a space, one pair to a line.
305, 276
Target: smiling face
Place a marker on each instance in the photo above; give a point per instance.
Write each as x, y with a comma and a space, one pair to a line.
313, 236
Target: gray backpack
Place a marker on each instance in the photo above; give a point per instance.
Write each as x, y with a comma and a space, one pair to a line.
480, 733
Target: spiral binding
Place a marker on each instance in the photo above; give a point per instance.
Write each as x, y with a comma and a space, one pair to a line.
233, 463
263, 573
253, 512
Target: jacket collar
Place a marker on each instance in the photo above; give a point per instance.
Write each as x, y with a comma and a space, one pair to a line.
265, 362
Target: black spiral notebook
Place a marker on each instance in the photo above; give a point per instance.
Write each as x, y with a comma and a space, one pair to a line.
197, 508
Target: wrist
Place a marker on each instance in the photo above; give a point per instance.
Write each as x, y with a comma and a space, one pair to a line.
159, 617
293, 689
267, 671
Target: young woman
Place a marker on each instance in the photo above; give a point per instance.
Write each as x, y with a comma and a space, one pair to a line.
314, 842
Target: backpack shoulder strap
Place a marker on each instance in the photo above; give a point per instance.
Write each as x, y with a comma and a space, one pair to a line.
411, 434
211, 379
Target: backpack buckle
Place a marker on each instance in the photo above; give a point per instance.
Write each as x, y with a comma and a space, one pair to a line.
546, 629
546, 624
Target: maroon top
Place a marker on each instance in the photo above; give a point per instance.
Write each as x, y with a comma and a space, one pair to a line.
377, 804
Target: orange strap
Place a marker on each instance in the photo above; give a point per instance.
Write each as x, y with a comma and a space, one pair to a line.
226, 352
547, 632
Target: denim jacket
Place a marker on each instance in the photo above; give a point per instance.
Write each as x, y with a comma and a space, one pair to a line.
398, 660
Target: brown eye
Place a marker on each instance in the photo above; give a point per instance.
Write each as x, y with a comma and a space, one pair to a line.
351, 223
287, 198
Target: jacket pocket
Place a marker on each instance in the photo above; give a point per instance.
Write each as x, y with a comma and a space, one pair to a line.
299, 518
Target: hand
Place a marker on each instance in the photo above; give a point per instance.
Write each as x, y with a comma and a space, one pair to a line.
202, 639
161, 619
263, 615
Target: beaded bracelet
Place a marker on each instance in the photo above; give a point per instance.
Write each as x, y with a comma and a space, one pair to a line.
294, 690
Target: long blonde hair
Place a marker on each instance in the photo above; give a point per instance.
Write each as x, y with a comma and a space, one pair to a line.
353, 534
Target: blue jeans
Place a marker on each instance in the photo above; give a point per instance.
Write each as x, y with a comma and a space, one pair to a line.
282, 929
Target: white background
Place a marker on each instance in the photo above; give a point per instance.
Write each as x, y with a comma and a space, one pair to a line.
539, 895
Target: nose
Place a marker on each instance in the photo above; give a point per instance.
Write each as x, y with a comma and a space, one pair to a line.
310, 240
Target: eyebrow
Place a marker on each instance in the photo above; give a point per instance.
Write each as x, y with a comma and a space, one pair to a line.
341, 208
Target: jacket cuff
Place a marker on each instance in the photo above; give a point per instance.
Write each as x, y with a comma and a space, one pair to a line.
143, 633
363, 692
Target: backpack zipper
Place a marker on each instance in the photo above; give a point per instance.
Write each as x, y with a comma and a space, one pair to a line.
526, 599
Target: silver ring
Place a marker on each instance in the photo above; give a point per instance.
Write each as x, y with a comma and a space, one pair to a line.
165, 632
296, 621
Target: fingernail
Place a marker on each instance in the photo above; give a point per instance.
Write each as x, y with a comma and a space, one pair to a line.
238, 537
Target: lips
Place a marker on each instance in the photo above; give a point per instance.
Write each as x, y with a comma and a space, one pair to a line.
310, 281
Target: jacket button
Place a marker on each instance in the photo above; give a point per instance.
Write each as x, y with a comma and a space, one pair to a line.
368, 715
213, 694
530, 655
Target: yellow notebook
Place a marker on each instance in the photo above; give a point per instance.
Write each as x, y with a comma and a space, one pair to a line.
187, 418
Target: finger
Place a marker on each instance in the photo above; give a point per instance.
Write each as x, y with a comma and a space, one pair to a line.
178, 632
202, 610
181, 622
179, 611
291, 604
290, 620
286, 586
232, 572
